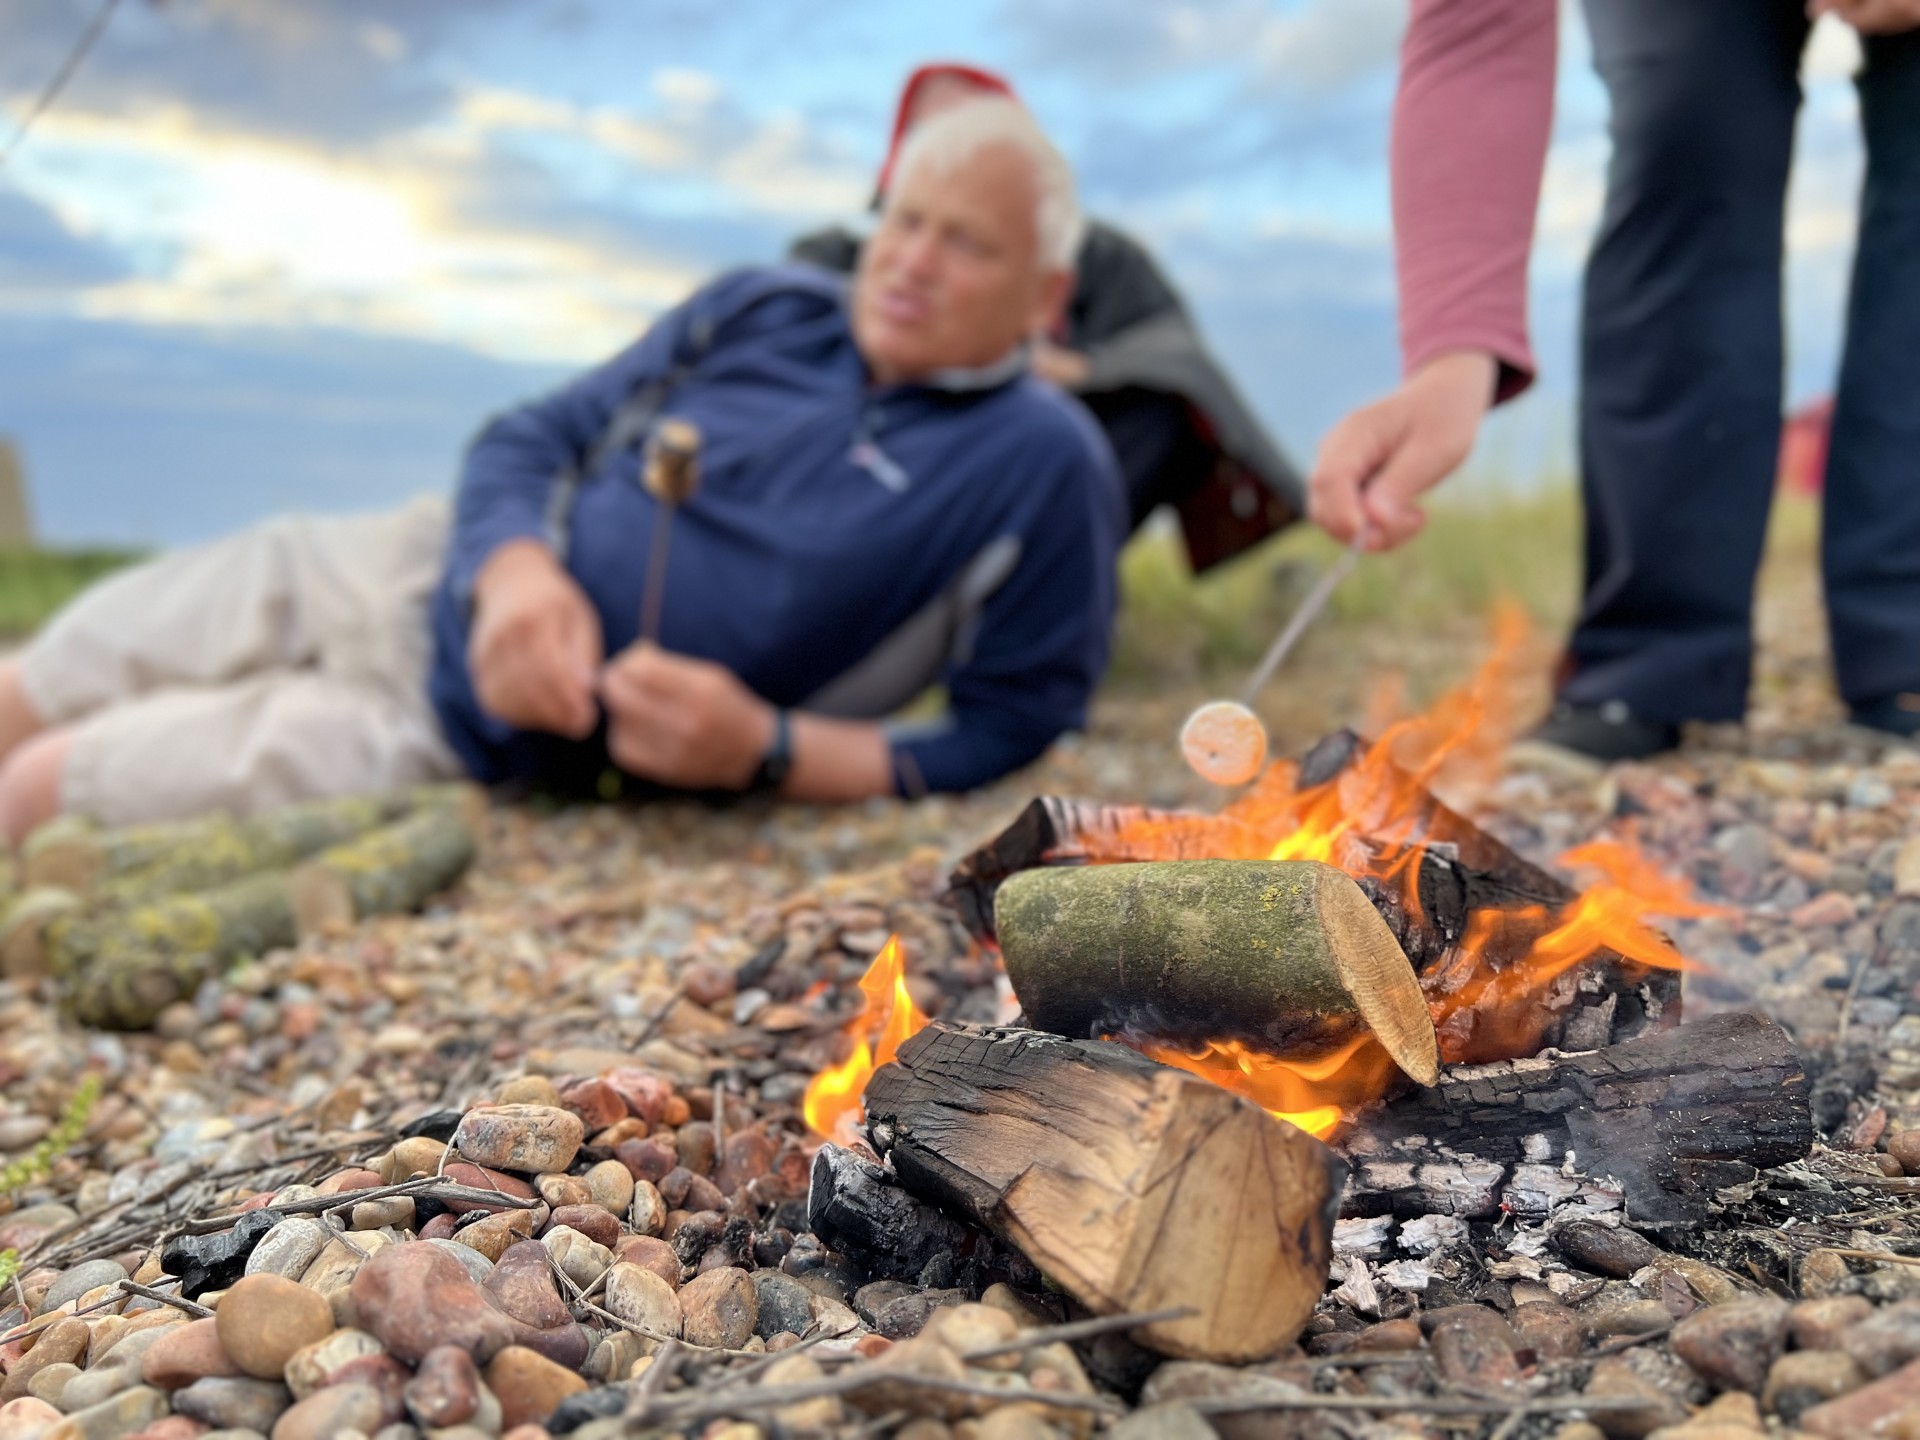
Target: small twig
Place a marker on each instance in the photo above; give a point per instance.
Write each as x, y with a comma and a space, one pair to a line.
1414, 1404
764, 1362
419, 1186
1627, 1342
1510, 1426
1078, 1330
199, 1312
727, 1399
1853, 989
1884, 1257
643, 1331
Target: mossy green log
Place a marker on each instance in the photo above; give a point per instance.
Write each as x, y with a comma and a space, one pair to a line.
1285, 956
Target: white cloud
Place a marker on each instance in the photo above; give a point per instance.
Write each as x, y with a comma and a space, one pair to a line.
243, 230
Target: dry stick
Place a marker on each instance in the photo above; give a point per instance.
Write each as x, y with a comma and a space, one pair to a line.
1853, 989
724, 1402
199, 1312
1884, 1257
419, 1186
1414, 1404
1079, 1330
1627, 1342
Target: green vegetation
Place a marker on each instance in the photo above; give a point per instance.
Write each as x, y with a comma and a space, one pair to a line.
35, 583
37, 1162
1476, 551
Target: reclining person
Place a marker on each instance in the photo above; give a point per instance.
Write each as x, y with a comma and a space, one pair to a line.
1127, 347
888, 500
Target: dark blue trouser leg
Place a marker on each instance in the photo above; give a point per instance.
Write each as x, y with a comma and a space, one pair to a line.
1871, 526
1681, 349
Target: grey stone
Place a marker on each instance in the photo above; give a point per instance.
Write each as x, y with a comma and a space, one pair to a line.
785, 1304
76, 1282
1173, 1420
870, 1299
289, 1247
120, 1415
233, 1404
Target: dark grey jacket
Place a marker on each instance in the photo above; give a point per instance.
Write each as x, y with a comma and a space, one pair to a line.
1180, 429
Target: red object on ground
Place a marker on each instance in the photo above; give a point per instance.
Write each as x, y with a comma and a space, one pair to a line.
1803, 447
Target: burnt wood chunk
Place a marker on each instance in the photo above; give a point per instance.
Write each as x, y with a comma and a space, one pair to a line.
1132, 1186
1662, 1121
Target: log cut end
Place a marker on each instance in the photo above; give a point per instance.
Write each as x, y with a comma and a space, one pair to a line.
1134, 1187
1376, 973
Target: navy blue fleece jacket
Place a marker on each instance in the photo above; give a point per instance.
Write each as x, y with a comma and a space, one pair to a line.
830, 510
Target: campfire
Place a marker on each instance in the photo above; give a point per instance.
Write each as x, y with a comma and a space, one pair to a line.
1320, 947
1492, 986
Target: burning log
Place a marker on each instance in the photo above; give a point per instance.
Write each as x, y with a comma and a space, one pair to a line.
1287, 956
1470, 914
1132, 1186
1663, 1121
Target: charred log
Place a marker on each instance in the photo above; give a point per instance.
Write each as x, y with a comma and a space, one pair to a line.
1132, 1186
1660, 1123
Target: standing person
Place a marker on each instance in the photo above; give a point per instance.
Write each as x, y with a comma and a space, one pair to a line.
1128, 349
1681, 351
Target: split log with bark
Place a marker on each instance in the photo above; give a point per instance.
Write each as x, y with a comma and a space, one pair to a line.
1658, 1124
1132, 1186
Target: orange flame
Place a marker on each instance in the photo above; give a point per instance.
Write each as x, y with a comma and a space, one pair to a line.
1312, 1094
1375, 820
886, 1020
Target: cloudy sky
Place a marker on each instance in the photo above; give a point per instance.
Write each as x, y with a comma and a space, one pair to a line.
274, 253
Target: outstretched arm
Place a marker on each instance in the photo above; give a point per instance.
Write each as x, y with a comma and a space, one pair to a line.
1470, 132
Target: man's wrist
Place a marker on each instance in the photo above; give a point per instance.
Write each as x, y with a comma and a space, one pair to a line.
776, 752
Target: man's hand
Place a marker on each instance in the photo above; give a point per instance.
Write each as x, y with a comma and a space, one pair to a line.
1065, 368
1376, 463
1870, 17
683, 722
536, 643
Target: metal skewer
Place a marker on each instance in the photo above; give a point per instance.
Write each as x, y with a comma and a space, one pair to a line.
1308, 611
1224, 740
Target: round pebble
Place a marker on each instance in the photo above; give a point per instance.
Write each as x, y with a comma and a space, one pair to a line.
264, 1319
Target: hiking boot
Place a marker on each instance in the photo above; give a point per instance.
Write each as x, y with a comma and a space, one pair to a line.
1605, 732
1897, 715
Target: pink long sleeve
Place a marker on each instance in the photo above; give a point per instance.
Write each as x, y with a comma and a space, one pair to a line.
1470, 130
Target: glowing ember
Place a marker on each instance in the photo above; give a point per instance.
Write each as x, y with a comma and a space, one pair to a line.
885, 1021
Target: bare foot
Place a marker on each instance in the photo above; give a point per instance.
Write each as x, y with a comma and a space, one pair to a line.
19, 721
30, 784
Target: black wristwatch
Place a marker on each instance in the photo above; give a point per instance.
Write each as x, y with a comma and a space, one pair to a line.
778, 760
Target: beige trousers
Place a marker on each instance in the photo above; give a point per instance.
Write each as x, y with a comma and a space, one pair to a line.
282, 663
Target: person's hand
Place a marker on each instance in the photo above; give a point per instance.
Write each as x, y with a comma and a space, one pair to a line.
1377, 462
1065, 368
682, 721
536, 643
1870, 17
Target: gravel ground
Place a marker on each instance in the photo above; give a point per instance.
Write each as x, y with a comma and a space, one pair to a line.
637, 998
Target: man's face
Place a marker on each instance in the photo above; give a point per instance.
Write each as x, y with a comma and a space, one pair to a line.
952, 277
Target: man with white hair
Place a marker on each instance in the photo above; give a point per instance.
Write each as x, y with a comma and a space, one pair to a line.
888, 501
